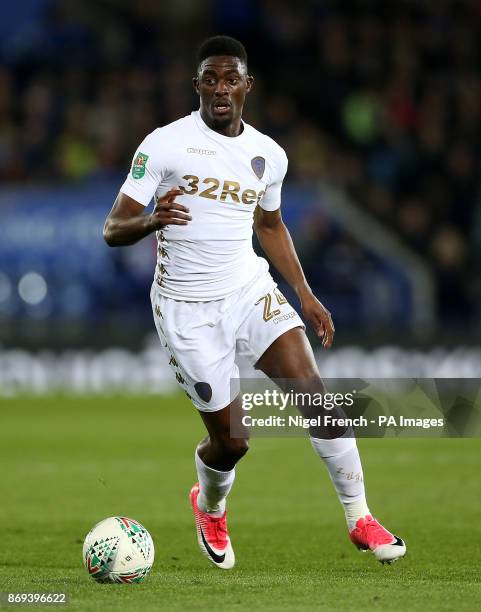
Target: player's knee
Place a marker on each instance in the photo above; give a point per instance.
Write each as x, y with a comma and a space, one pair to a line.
235, 448
309, 381
238, 447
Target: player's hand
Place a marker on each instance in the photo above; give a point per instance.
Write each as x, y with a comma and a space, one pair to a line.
320, 319
168, 212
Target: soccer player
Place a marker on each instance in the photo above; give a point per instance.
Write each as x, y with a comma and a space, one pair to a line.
214, 178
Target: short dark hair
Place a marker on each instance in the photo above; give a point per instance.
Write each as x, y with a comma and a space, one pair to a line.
221, 45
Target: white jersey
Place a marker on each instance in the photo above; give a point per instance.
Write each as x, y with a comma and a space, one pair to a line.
223, 179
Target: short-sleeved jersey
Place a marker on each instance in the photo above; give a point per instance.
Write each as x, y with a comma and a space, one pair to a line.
223, 179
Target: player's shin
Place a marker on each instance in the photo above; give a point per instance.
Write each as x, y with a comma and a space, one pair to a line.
214, 487
341, 458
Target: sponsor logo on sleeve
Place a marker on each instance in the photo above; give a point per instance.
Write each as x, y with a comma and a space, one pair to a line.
138, 167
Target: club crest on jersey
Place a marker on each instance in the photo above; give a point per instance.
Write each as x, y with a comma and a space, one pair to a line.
138, 167
258, 165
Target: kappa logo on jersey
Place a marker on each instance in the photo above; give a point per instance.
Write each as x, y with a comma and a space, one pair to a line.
258, 165
201, 151
214, 191
138, 167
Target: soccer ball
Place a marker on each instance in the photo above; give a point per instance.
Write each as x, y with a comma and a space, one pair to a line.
118, 549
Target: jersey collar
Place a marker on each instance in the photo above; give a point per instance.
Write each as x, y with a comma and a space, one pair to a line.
213, 134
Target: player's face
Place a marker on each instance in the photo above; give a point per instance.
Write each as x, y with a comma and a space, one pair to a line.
222, 84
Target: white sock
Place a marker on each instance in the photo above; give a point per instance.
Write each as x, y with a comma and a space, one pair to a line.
341, 457
214, 487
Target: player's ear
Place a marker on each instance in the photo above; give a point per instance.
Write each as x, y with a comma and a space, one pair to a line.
249, 83
195, 83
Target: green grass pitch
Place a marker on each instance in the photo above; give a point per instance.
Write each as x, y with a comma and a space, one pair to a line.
68, 462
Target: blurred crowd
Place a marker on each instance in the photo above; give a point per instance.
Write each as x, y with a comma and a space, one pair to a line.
381, 99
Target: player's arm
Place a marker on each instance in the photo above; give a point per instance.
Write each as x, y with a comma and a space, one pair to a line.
127, 222
277, 244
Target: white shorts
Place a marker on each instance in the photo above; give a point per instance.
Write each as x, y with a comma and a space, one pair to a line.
202, 338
